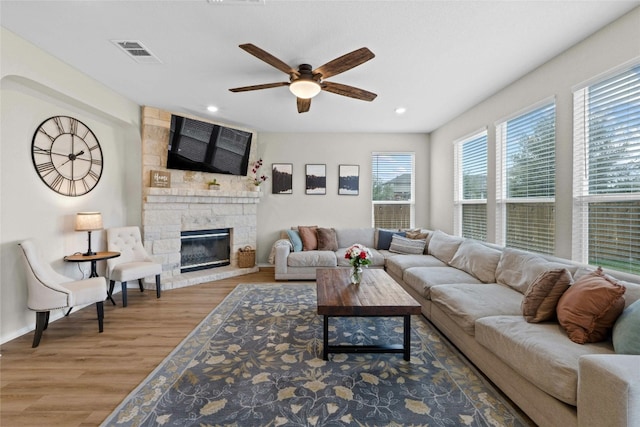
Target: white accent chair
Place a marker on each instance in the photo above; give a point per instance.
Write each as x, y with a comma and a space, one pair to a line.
49, 290
133, 263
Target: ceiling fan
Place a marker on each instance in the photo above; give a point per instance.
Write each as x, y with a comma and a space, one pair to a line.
305, 82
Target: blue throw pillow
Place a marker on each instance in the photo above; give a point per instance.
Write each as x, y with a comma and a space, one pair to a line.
626, 331
296, 241
385, 236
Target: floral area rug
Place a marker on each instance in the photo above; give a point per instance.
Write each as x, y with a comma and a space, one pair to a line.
256, 360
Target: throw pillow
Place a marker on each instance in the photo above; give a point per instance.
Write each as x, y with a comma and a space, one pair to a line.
477, 259
541, 299
444, 246
309, 237
626, 331
631, 294
296, 241
402, 245
327, 240
589, 308
384, 238
416, 234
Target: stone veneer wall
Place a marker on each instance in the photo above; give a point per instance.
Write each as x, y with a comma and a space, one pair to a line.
155, 141
189, 205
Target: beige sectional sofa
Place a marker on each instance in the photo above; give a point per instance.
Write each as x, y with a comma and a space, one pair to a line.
473, 293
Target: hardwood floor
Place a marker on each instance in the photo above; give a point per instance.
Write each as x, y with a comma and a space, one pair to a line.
76, 377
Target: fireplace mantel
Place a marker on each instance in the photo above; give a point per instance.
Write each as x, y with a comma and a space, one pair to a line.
191, 195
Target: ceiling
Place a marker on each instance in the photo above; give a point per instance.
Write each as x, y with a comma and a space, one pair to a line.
434, 58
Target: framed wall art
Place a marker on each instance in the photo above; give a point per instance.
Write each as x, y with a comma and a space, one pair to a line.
348, 180
316, 179
282, 178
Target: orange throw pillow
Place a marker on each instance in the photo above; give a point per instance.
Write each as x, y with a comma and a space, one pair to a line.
309, 237
590, 307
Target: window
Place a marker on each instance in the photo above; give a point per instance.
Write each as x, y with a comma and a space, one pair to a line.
526, 180
393, 184
606, 185
470, 192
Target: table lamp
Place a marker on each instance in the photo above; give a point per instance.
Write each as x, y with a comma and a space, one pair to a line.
88, 221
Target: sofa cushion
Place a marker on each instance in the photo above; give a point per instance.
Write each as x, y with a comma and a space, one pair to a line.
327, 240
519, 269
350, 236
626, 331
590, 307
632, 294
385, 236
465, 303
540, 352
443, 246
540, 300
402, 245
294, 238
423, 278
312, 259
477, 259
309, 237
397, 264
377, 258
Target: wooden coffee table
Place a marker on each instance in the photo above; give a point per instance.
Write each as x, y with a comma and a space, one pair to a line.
377, 296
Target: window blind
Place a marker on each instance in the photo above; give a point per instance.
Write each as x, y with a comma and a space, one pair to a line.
474, 221
606, 228
393, 184
470, 194
526, 180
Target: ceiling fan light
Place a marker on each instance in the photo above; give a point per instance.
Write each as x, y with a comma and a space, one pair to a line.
304, 88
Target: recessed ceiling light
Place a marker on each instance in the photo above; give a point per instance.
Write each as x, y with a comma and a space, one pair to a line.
401, 110
212, 108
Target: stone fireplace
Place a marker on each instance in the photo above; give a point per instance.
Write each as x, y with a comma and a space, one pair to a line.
167, 212
187, 206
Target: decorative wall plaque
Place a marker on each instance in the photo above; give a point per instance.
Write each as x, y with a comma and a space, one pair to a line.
161, 179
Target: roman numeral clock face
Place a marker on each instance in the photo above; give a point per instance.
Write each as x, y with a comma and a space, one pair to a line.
67, 156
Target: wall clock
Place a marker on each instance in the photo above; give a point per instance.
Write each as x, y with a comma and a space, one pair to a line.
67, 156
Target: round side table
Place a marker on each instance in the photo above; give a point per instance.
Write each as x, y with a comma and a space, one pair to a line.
98, 256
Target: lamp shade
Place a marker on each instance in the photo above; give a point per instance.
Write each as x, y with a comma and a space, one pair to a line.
88, 221
305, 88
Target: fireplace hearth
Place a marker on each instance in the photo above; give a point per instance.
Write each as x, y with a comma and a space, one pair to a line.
204, 249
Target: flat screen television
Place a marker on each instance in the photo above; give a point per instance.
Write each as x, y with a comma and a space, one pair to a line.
206, 147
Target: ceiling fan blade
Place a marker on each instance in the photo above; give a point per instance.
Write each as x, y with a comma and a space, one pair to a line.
258, 87
350, 91
268, 58
344, 63
304, 105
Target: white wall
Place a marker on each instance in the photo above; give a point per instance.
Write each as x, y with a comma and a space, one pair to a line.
614, 45
277, 212
33, 87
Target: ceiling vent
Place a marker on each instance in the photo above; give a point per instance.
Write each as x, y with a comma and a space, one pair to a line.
137, 51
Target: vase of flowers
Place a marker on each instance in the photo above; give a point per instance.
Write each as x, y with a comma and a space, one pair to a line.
255, 180
358, 256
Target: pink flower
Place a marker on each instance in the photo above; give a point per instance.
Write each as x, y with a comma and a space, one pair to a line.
255, 180
358, 255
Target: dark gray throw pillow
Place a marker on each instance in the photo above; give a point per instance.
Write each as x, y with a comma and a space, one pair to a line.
385, 236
